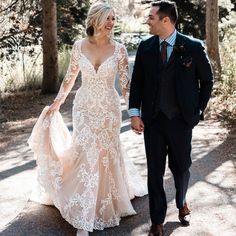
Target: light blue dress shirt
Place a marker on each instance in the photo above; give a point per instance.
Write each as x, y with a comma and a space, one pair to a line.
171, 42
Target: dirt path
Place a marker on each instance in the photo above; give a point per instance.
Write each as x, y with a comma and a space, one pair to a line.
212, 189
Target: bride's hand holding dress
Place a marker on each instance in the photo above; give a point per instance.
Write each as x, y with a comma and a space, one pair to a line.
55, 106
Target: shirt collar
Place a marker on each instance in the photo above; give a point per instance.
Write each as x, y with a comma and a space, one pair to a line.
171, 39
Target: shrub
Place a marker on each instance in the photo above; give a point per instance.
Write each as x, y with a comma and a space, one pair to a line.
225, 89
21, 70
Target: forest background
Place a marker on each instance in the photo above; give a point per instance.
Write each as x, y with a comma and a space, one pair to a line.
21, 37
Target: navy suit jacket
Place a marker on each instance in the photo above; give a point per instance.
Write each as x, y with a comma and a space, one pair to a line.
193, 78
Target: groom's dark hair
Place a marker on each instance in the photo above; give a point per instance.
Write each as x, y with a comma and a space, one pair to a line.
166, 8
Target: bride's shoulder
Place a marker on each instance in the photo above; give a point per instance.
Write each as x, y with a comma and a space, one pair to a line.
119, 45
77, 44
121, 48
78, 41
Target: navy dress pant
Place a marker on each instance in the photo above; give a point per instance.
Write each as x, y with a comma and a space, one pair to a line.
167, 137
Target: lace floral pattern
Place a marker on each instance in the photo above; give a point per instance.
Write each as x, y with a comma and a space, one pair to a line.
86, 178
71, 75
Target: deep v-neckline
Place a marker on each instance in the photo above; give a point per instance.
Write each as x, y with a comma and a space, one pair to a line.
91, 64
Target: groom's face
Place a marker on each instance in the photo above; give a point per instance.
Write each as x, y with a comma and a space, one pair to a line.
156, 25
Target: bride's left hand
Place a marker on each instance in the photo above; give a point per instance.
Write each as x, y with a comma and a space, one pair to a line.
55, 106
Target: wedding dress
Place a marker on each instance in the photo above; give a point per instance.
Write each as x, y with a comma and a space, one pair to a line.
86, 175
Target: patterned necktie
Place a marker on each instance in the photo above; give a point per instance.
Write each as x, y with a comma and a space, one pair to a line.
164, 45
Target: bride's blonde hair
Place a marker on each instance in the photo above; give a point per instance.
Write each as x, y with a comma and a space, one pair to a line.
97, 16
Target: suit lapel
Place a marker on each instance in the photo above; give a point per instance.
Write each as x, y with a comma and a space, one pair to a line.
154, 49
154, 54
180, 51
171, 59
179, 41
154, 64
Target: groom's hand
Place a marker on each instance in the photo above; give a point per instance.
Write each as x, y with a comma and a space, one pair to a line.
137, 124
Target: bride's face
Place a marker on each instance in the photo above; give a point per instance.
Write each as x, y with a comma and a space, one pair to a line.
108, 25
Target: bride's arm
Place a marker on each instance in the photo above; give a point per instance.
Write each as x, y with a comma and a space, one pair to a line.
69, 79
123, 66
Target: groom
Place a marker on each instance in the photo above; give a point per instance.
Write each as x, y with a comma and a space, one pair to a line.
171, 84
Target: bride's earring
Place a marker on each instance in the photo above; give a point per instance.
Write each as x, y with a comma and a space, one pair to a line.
81, 232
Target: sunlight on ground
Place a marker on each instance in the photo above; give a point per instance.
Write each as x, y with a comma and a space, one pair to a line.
224, 177
141, 230
14, 198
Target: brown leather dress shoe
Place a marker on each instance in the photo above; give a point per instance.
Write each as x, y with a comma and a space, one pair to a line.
184, 215
156, 230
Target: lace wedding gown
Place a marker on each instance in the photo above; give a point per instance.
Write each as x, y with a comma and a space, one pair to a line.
86, 176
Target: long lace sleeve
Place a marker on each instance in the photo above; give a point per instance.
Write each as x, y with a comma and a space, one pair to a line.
71, 74
123, 66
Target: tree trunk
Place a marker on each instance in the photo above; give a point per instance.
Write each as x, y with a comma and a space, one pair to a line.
2, 117
212, 35
50, 57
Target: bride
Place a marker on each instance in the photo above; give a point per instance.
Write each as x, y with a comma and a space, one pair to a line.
86, 175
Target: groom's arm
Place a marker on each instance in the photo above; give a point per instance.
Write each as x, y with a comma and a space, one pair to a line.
205, 76
135, 98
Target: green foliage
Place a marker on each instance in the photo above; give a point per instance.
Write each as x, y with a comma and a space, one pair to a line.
21, 37
131, 24
21, 23
63, 60
23, 71
192, 15
71, 16
15, 28
225, 90
191, 18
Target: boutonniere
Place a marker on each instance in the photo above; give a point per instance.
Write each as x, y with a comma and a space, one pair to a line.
187, 61
180, 49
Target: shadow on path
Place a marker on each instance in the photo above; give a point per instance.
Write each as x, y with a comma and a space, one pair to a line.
16, 170
40, 220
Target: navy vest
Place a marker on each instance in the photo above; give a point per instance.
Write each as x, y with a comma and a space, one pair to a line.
166, 99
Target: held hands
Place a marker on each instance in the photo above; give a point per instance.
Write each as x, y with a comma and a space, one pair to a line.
137, 124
